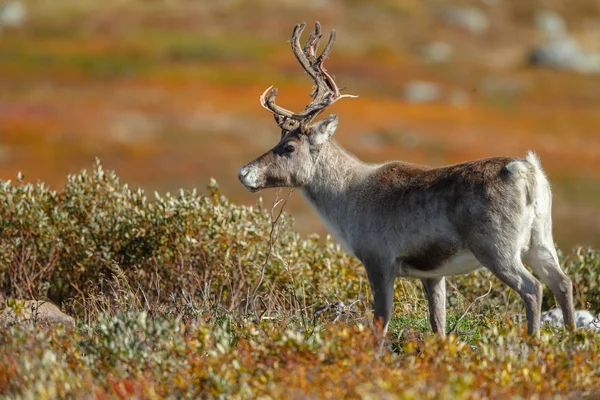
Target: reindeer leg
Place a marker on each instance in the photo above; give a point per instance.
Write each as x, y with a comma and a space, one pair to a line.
435, 288
382, 287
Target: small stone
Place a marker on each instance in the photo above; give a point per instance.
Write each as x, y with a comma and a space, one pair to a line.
22, 312
551, 24
565, 53
421, 92
554, 317
436, 52
12, 14
469, 18
584, 319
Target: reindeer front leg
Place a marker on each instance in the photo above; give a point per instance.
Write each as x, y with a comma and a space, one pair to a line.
435, 288
382, 286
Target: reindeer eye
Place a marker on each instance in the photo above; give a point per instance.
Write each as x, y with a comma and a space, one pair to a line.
289, 148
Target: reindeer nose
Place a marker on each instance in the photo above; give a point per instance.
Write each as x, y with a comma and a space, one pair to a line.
243, 172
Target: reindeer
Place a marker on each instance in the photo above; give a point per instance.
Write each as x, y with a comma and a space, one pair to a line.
406, 220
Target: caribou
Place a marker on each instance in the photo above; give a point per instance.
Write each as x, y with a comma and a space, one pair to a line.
406, 220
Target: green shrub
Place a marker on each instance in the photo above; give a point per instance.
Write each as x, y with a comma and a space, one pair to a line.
67, 245
200, 252
583, 267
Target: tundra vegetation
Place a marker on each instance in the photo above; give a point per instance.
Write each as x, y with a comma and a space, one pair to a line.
189, 295
165, 291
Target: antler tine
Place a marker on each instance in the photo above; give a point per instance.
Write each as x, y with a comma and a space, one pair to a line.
329, 80
312, 44
267, 100
328, 47
299, 52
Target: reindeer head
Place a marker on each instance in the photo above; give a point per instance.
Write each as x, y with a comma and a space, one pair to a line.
290, 163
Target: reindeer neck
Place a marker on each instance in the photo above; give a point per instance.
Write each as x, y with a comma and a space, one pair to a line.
336, 172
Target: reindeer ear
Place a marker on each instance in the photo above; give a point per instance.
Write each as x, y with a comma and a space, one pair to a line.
321, 131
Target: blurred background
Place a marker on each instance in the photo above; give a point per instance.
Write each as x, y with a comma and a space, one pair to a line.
165, 92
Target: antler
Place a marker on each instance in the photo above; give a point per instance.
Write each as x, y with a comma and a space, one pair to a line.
325, 91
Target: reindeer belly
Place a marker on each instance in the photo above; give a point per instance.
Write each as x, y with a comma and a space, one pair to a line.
435, 265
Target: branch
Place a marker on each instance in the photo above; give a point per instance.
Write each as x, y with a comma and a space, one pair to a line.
467, 310
273, 235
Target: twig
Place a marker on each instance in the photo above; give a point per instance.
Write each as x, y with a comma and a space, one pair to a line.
468, 308
273, 235
148, 307
287, 268
595, 323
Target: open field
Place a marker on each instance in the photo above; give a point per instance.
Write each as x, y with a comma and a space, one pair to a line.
166, 93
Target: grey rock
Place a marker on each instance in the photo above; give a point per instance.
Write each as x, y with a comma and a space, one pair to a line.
421, 92
12, 14
436, 52
551, 24
469, 18
553, 317
584, 319
44, 313
565, 53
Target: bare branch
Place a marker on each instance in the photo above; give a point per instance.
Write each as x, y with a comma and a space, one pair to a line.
468, 308
274, 234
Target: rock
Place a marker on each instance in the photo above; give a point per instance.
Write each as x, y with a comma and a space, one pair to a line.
583, 319
559, 49
421, 92
565, 53
20, 312
469, 18
551, 24
553, 317
12, 14
436, 52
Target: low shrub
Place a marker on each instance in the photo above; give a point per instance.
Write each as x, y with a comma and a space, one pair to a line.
189, 295
66, 245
